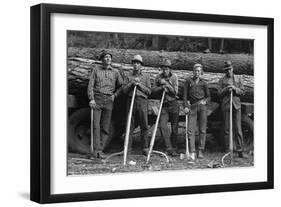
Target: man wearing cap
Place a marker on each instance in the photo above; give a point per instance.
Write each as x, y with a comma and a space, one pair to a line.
168, 82
102, 89
196, 96
140, 109
234, 83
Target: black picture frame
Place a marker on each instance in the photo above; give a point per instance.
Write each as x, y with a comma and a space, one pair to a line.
41, 99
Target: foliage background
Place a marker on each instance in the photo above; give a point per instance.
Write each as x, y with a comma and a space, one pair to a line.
154, 42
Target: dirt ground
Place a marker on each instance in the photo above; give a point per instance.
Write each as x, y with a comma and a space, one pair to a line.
79, 164
136, 162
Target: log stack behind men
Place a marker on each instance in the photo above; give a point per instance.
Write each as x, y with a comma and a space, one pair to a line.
168, 82
140, 107
106, 84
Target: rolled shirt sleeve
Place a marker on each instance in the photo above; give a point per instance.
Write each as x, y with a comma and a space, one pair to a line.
240, 89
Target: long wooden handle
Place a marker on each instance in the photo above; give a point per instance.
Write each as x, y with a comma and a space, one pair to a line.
186, 136
155, 128
126, 142
230, 126
92, 130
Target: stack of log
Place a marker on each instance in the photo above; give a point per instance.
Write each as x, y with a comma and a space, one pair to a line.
81, 60
242, 63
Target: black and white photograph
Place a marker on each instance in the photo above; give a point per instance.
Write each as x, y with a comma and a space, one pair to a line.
150, 103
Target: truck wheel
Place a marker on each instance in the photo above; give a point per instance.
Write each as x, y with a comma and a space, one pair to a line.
248, 132
79, 133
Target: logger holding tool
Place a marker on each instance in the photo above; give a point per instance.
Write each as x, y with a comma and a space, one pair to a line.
138, 84
196, 96
230, 89
102, 90
168, 82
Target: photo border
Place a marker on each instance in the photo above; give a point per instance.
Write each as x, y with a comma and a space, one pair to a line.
41, 102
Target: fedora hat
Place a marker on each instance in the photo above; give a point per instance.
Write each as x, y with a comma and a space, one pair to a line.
137, 58
227, 65
104, 53
166, 63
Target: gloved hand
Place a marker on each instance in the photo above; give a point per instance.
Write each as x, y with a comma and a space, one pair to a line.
163, 82
231, 88
186, 110
113, 97
132, 83
137, 79
93, 104
202, 102
165, 88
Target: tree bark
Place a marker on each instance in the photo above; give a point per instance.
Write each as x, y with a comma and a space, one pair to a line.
79, 70
212, 62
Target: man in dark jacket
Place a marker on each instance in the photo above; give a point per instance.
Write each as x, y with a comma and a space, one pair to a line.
234, 83
102, 90
196, 96
140, 109
168, 82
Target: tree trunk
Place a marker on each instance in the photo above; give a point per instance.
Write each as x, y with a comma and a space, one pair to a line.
79, 70
212, 62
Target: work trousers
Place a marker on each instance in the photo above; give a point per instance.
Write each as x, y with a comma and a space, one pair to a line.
102, 118
170, 111
197, 111
139, 117
237, 129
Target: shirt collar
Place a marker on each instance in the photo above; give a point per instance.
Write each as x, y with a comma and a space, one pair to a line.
226, 77
137, 74
109, 68
169, 76
193, 79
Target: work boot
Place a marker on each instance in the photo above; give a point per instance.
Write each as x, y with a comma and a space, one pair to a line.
145, 151
99, 154
192, 156
129, 151
102, 155
242, 155
221, 52
207, 51
171, 152
200, 154
94, 154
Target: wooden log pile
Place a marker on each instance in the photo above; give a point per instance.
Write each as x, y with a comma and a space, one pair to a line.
81, 61
242, 63
79, 70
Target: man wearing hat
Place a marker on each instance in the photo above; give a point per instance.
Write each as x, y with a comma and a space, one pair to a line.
140, 109
234, 83
196, 96
168, 82
102, 89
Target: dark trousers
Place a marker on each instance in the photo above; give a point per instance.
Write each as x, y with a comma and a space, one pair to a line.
197, 112
139, 117
170, 111
102, 119
237, 129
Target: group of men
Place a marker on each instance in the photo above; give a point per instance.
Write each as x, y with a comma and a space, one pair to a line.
106, 83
